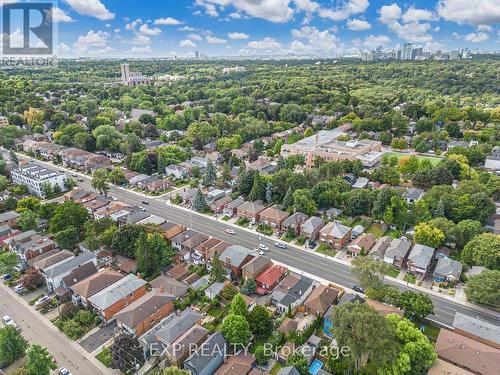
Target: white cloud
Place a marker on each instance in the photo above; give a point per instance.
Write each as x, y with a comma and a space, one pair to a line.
373, 41
58, 15
389, 13
314, 42
93, 8
413, 31
358, 25
416, 15
144, 50
63, 49
306, 5
278, 11
214, 40
474, 12
485, 28
347, 9
168, 21
141, 39
238, 36
145, 29
194, 36
266, 43
92, 42
187, 43
477, 37
133, 25
186, 28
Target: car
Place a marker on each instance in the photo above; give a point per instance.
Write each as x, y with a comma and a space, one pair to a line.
6, 277
263, 247
64, 371
260, 252
42, 301
79, 179
281, 245
8, 321
145, 202
230, 231
312, 244
358, 289
19, 289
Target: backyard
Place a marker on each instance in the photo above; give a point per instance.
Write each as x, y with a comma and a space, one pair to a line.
433, 159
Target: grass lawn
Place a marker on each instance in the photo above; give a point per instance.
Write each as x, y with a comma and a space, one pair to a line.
394, 272
323, 249
393, 233
105, 357
277, 367
361, 222
375, 229
410, 278
433, 159
214, 311
226, 218
265, 229
430, 331
243, 222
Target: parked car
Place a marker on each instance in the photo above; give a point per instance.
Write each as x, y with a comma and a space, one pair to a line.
19, 289
79, 179
312, 244
230, 231
263, 247
358, 289
8, 321
260, 252
6, 277
64, 371
42, 301
281, 245
145, 202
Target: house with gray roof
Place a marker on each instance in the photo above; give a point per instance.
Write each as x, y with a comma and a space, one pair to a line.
133, 217
255, 267
294, 221
397, 251
447, 269
234, 258
477, 329
171, 329
311, 227
378, 250
9, 218
419, 259
413, 195
335, 235
179, 239
199, 363
54, 274
291, 292
169, 285
290, 370
230, 208
214, 290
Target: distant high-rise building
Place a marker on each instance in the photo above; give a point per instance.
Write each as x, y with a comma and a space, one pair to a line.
196, 55
416, 52
406, 51
125, 69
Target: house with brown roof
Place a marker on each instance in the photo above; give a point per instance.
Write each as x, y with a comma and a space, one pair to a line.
201, 251
56, 257
361, 245
179, 350
218, 205
269, 279
94, 284
170, 230
169, 285
378, 250
178, 272
273, 217
382, 308
141, 315
79, 274
250, 210
240, 364
288, 325
126, 265
294, 222
9, 218
190, 243
335, 235
217, 249
320, 300
467, 353
255, 267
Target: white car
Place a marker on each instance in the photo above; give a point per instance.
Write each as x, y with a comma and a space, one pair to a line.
42, 301
281, 245
263, 247
260, 252
8, 321
230, 231
19, 288
64, 371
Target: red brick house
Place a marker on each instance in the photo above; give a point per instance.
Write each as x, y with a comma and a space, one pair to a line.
335, 235
250, 210
268, 279
273, 217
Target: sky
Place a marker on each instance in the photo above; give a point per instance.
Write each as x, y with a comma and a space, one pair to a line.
166, 28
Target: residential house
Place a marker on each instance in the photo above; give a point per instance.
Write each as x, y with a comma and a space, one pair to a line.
361, 245
50, 258
311, 227
214, 290
477, 329
467, 353
230, 208
108, 210
178, 240
239, 364
420, 259
178, 272
169, 285
378, 250
96, 204
126, 265
396, 252
117, 296
357, 231
288, 325
151, 220
7, 232
250, 210
269, 279
320, 300
291, 292
199, 363
178, 172
335, 235
413, 194
190, 244
55, 273
201, 252
133, 217
180, 349
255, 267
360, 183
199, 162
104, 258
447, 269
93, 284
217, 249
214, 195
170, 230
78, 274
29, 244
188, 195
218, 205
234, 258
9, 218
155, 184
333, 213
294, 222
344, 298
441, 367
263, 165
273, 217
382, 308
144, 313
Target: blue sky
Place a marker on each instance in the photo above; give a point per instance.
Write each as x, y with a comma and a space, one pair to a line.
255, 27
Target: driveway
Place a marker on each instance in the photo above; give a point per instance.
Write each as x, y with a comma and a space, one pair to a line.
98, 338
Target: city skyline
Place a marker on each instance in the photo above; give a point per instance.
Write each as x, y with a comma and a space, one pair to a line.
109, 28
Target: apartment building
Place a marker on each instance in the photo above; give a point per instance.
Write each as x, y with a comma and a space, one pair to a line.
35, 177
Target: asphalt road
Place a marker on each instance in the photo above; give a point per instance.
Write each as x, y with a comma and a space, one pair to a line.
34, 330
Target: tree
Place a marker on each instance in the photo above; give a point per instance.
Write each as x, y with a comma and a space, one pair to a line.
483, 250
304, 202
288, 199
32, 279
370, 271
417, 353
258, 188
125, 239
174, 371
117, 176
260, 321
210, 174
238, 306
359, 202
298, 361
8, 261
149, 253
217, 273
249, 287
199, 202
3, 182
27, 221
236, 330
465, 231
366, 333
483, 289
260, 355
428, 235
67, 238
415, 305
69, 214
12, 346
126, 352
28, 203
39, 361
100, 179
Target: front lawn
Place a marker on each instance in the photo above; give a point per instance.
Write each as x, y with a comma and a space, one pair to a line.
105, 357
323, 249
243, 222
226, 218
430, 331
410, 278
393, 272
265, 229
